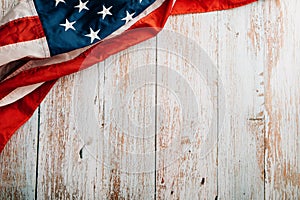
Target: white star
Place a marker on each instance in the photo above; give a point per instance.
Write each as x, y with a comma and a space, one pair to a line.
58, 1
105, 12
68, 25
82, 6
93, 35
128, 17
141, 1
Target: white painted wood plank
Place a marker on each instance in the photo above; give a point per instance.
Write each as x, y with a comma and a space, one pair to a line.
241, 143
282, 31
86, 151
129, 90
59, 147
18, 163
187, 108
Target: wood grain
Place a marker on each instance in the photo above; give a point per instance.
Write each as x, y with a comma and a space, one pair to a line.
241, 146
187, 105
95, 154
209, 109
18, 163
282, 99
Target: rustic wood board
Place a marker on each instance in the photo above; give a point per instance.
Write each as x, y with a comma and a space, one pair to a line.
18, 163
282, 99
98, 155
209, 109
241, 136
187, 79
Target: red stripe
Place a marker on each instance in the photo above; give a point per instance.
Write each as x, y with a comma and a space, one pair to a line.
16, 114
198, 6
21, 30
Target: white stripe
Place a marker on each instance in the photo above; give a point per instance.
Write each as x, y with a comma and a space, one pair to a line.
35, 48
18, 94
23, 9
48, 61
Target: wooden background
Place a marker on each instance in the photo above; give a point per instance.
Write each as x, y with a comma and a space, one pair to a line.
76, 146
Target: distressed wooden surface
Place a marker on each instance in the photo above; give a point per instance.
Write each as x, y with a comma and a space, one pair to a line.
240, 149
282, 98
99, 135
187, 99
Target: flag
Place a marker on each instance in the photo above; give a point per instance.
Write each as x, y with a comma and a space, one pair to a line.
43, 40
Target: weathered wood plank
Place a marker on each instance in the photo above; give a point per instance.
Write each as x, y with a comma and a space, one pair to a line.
18, 159
282, 138
129, 91
59, 147
88, 150
18, 163
241, 144
187, 81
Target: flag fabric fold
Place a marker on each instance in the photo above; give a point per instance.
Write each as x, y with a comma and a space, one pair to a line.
200, 6
41, 41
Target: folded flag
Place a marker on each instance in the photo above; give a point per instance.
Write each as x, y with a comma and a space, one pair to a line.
43, 40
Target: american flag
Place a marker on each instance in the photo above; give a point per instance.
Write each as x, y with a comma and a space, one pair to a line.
43, 40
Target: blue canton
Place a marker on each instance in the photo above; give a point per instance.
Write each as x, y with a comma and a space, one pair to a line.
70, 24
